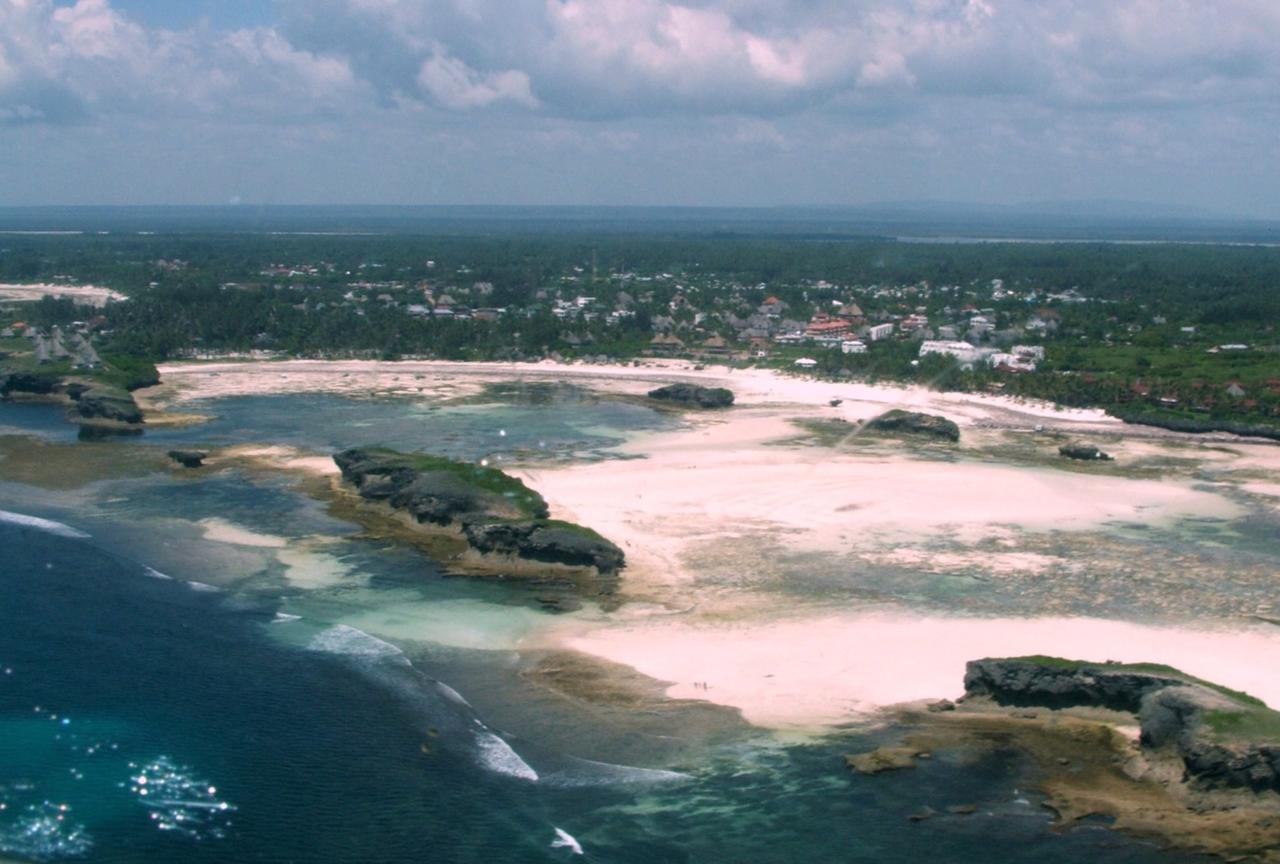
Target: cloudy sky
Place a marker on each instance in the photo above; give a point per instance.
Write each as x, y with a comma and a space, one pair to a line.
706, 102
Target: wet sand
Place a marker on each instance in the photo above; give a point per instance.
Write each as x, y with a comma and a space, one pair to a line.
738, 483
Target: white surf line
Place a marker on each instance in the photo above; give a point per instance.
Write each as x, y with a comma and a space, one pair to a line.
46, 525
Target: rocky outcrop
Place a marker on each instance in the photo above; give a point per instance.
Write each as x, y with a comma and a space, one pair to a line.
548, 542
104, 404
899, 422
1181, 717
1084, 453
693, 396
1197, 721
436, 490
188, 458
496, 514
881, 760
1031, 683
37, 383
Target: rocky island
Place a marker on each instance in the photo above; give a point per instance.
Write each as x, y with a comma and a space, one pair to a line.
913, 423
693, 396
1147, 748
90, 403
504, 524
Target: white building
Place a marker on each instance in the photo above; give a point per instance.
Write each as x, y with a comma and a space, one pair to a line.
806, 363
1015, 362
981, 324
962, 351
1034, 351
853, 346
880, 331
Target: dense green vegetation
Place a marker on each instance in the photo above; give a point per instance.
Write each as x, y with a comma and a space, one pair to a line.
1137, 329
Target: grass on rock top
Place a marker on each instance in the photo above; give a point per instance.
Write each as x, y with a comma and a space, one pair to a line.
481, 477
1144, 669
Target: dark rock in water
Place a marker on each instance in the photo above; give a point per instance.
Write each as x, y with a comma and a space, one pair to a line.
495, 513
1083, 452
38, 383
188, 458
923, 814
436, 490
693, 396
883, 759
106, 404
898, 421
552, 543
563, 603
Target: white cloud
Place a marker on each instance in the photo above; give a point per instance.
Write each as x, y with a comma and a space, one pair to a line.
453, 84
1157, 81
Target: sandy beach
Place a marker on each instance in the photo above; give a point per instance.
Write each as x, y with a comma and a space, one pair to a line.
712, 508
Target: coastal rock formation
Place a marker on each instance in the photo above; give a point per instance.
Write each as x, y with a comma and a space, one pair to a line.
496, 514
1083, 452
899, 422
551, 542
1223, 739
28, 382
188, 458
438, 490
98, 404
694, 396
1047, 683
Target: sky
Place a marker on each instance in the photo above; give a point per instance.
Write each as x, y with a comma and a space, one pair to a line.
641, 102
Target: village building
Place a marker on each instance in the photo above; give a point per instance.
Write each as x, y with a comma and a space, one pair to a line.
877, 332
665, 345
961, 351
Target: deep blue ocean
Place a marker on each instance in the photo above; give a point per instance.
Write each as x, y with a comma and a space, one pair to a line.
168, 698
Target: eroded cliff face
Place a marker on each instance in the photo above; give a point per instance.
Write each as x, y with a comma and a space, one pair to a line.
496, 514
1224, 739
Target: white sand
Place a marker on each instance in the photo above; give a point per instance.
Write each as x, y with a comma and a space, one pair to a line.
222, 531
726, 482
306, 567
89, 295
816, 671
276, 457
186, 381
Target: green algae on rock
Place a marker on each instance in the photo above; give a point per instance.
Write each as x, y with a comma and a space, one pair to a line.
495, 513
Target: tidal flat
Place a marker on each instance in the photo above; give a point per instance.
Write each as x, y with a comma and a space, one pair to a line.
779, 595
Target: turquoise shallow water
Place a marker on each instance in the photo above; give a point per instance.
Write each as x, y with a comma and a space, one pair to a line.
318, 754
347, 733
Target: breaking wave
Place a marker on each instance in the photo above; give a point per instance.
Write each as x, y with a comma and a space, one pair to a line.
350, 642
498, 756
46, 525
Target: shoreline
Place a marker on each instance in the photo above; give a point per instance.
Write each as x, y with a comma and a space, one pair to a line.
734, 486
